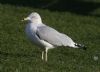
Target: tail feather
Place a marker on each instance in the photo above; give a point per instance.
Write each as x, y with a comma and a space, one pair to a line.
80, 46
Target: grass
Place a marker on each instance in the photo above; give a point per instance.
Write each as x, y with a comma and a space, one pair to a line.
18, 54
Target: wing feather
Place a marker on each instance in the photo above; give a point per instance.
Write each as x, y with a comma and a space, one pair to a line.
49, 34
53, 37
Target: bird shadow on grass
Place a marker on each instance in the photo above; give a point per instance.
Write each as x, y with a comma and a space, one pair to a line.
74, 6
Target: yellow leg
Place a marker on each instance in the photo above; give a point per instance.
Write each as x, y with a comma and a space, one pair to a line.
46, 54
42, 55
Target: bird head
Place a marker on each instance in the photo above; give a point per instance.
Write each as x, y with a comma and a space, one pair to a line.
34, 17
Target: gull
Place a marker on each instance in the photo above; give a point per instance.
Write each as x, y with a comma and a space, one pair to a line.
45, 36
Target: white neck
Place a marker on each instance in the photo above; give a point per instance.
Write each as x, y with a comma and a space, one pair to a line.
36, 21
36, 24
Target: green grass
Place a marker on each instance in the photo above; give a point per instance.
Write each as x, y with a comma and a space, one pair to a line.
18, 54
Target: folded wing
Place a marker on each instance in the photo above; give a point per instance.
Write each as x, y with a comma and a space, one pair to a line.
53, 37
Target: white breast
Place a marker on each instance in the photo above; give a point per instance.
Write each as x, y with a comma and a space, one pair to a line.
31, 34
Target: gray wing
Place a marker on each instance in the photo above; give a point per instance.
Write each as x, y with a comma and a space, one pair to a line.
52, 36
67, 41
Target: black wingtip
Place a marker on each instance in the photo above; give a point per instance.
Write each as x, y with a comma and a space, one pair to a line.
81, 46
84, 48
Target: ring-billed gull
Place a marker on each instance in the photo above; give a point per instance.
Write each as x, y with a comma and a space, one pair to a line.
45, 36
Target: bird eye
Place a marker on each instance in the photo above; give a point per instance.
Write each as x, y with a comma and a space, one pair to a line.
32, 17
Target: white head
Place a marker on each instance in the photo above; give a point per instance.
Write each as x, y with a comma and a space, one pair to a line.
34, 17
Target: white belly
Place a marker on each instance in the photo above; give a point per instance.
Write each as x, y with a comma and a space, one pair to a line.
33, 37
